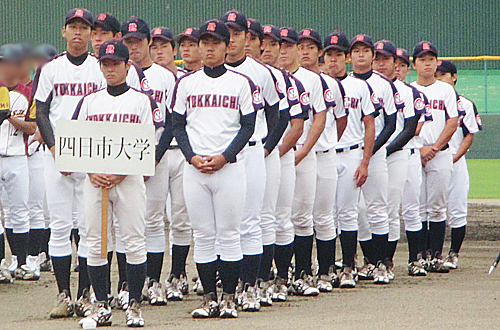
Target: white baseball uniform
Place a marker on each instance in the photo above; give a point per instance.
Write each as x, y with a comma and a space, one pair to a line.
208, 109
458, 189
255, 166
62, 84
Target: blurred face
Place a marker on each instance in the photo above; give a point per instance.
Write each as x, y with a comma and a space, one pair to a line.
309, 53
162, 52
25, 67
270, 50
335, 62
425, 65
213, 51
138, 48
402, 69
114, 71
237, 42
362, 57
446, 77
189, 50
384, 64
9, 71
288, 54
77, 34
100, 36
252, 46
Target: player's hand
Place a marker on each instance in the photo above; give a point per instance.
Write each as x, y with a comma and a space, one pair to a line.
99, 180
37, 137
53, 151
299, 156
281, 149
427, 153
361, 175
266, 152
197, 162
66, 173
213, 164
114, 180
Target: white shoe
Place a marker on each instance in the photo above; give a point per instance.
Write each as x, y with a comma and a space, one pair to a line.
380, 274
84, 306
249, 301
451, 260
13, 265
324, 284
280, 290
99, 317
5, 276
264, 292
155, 294
123, 297
198, 287
366, 272
304, 286
209, 307
45, 264
172, 289
133, 315
183, 284
347, 279
227, 307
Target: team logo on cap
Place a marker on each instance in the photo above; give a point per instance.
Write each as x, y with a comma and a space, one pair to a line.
110, 49
334, 40
188, 31
132, 27
101, 17
399, 52
419, 104
328, 96
306, 33
360, 37
267, 29
304, 98
157, 31
439, 63
257, 97
380, 45
231, 17
426, 46
249, 24
211, 26
284, 32
292, 93
79, 13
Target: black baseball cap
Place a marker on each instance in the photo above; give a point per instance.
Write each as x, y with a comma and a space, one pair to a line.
255, 28
446, 66
107, 22
79, 13
45, 51
190, 33
385, 47
26, 50
11, 53
424, 47
216, 29
271, 31
337, 41
361, 38
290, 35
403, 54
135, 27
162, 33
311, 35
114, 49
235, 19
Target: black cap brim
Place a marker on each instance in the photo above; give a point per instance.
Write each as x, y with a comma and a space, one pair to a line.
213, 34
161, 37
286, 39
385, 52
407, 61
235, 26
360, 42
83, 19
113, 57
180, 37
102, 25
317, 42
420, 54
338, 48
272, 36
138, 35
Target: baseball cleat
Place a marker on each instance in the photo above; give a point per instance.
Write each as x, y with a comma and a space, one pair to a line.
172, 289
415, 269
155, 294
13, 265
5, 276
324, 283
249, 301
183, 284
437, 266
123, 297
45, 264
380, 274
83, 306
280, 291
366, 272
64, 307
451, 260
304, 286
100, 316
390, 270
334, 278
198, 287
347, 279
26, 273
264, 292
209, 307
227, 307
133, 315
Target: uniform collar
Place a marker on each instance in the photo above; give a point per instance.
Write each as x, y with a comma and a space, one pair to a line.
237, 63
363, 76
118, 89
77, 60
215, 72
342, 77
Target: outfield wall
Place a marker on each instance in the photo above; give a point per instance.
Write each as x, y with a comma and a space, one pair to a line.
487, 142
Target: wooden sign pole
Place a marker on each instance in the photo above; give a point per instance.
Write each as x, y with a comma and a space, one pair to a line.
104, 223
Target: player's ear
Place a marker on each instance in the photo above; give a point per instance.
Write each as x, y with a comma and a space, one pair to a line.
63, 31
454, 77
248, 36
128, 64
320, 52
118, 36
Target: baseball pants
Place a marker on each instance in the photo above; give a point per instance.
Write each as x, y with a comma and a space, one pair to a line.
397, 166
255, 171
36, 191
436, 176
127, 202
285, 232
324, 201
215, 205
268, 214
373, 211
458, 192
14, 175
63, 194
347, 197
303, 198
410, 203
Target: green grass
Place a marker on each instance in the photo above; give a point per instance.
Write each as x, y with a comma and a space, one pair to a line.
484, 178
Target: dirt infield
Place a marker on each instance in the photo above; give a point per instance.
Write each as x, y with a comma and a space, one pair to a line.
467, 298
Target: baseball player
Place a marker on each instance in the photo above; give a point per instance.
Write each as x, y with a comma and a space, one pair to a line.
460, 142
127, 194
59, 85
437, 159
15, 172
213, 113
397, 153
255, 166
163, 49
188, 48
310, 49
374, 226
137, 37
353, 150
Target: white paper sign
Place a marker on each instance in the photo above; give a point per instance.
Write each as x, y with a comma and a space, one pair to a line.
105, 147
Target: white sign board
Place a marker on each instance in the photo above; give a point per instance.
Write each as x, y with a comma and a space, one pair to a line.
105, 147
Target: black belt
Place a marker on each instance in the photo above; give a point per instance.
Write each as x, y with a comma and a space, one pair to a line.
173, 147
323, 152
412, 151
356, 146
254, 143
445, 147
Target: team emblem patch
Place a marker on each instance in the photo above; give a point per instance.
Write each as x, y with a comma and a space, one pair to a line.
257, 97
188, 31
419, 104
132, 27
157, 117
101, 17
399, 52
478, 120
306, 33
157, 31
360, 37
249, 24
426, 46
110, 49
374, 98
231, 17
211, 26
145, 84
292, 93
334, 40
284, 33
460, 106
267, 29
328, 96
397, 99
304, 98
380, 45
278, 87
79, 13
